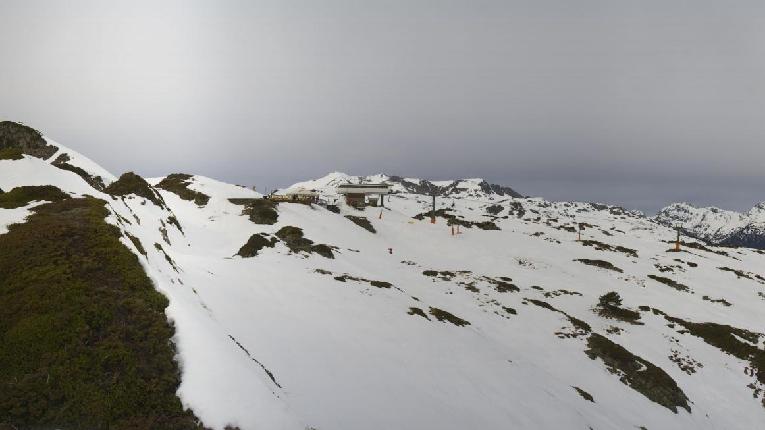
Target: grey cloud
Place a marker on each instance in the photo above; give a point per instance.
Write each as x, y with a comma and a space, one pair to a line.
637, 103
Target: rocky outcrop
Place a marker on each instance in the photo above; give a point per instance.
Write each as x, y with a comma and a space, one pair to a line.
27, 139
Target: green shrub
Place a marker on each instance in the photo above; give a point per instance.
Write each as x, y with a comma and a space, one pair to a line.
22, 196
256, 243
85, 340
130, 183
638, 373
11, 154
178, 183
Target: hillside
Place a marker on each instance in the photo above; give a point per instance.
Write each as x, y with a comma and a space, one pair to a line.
718, 226
290, 316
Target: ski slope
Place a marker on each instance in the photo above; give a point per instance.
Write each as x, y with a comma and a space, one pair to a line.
277, 341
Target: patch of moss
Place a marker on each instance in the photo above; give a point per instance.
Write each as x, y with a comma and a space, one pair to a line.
503, 286
362, 222
169, 260
28, 140
178, 183
444, 275
380, 284
346, 277
293, 237
669, 282
637, 373
255, 244
418, 311
599, 263
172, 220
94, 181
11, 154
581, 327
85, 340
260, 211
22, 196
451, 219
720, 301
494, 209
741, 274
130, 183
585, 395
609, 306
727, 339
136, 243
443, 315
601, 246
556, 293
323, 250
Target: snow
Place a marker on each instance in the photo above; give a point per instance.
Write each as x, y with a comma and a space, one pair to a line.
346, 355
78, 160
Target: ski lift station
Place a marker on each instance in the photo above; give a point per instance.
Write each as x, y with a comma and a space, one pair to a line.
360, 195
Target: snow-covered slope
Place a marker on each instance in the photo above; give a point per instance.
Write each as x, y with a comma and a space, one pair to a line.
717, 225
412, 326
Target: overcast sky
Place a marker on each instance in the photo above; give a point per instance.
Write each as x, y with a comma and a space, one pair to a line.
637, 103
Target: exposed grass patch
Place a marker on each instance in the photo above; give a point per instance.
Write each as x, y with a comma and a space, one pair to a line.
601, 246
85, 341
585, 395
609, 306
637, 373
720, 301
178, 183
443, 315
172, 220
494, 209
738, 342
136, 243
62, 162
669, 282
502, 284
444, 275
451, 219
11, 154
169, 260
599, 263
362, 222
580, 327
346, 277
260, 211
556, 293
741, 274
130, 183
255, 244
380, 284
296, 242
22, 196
419, 312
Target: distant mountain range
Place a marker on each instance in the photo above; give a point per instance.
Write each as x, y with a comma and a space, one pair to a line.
717, 226
473, 187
